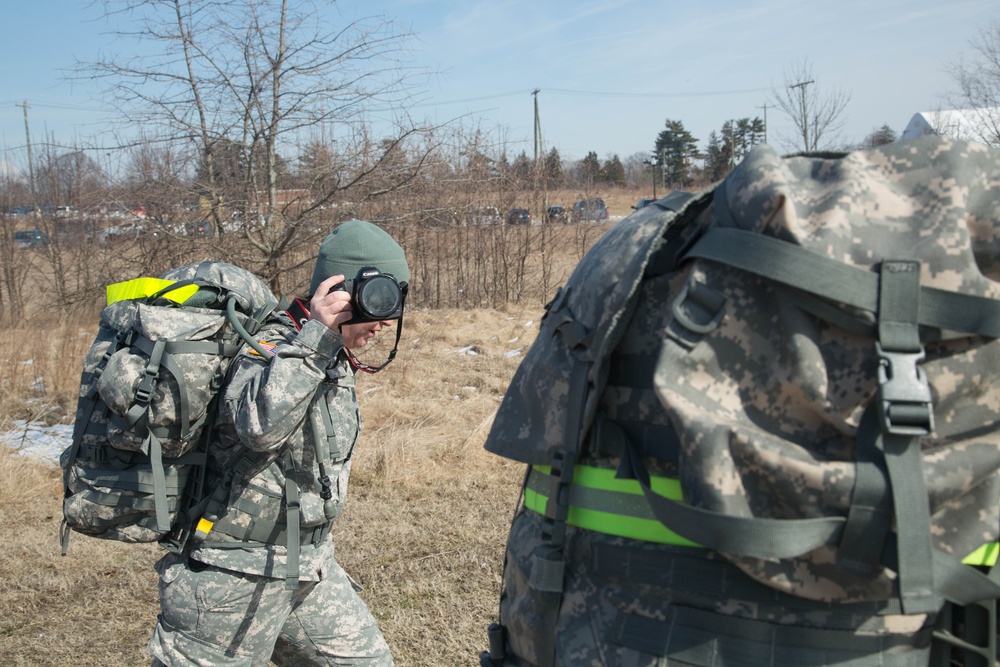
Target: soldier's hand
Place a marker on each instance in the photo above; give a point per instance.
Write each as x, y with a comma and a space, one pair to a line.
329, 306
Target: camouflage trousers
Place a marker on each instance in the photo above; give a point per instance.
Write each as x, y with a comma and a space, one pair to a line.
627, 603
215, 617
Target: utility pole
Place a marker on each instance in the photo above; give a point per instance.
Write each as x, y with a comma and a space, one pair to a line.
805, 117
732, 147
765, 120
539, 150
31, 162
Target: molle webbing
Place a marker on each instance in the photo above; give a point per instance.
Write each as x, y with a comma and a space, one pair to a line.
600, 502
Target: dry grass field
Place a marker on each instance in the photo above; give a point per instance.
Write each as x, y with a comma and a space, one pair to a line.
427, 513
423, 531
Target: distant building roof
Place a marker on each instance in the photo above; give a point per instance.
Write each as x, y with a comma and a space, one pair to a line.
982, 125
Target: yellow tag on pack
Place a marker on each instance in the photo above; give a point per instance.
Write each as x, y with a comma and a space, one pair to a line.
140, 288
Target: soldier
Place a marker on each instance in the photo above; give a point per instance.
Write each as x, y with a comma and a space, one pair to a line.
260, 581
761, 425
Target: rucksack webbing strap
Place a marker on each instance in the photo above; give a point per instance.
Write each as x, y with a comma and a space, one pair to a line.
137, 503
603, 502
761, 537
798, 267
691, 636
592, 507
906, 414
268, 533
159, 353
869, 516
690, 570
292, 511
598, 501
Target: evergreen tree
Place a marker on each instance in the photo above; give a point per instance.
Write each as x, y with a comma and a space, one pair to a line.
613, 171
676, 149
590, 169
553, 170
880, 137
716, 158
522, 167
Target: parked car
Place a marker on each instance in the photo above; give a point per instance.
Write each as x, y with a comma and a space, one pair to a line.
557, 214
129, 232
642, 203
484, 215
31, 238
591, 209
201, 229
519, 216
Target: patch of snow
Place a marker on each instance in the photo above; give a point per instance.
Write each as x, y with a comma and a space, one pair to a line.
38, 440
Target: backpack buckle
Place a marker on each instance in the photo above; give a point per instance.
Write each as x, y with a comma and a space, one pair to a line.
904, 396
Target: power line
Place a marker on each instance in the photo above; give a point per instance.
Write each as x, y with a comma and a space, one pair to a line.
44, 105
707, 93
558, 91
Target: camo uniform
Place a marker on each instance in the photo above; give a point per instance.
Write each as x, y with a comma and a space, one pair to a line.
225, 602
745, 395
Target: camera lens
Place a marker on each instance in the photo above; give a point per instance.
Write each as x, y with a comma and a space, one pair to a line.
380, 297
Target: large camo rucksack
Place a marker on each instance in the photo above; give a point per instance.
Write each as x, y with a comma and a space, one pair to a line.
806, 357
147, 399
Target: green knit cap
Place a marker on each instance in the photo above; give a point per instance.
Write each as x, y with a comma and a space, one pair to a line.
354, 245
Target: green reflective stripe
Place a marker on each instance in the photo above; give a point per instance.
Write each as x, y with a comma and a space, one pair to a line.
984, 555
595, 491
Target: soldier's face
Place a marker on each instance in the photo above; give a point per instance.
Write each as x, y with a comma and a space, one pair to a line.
357, 335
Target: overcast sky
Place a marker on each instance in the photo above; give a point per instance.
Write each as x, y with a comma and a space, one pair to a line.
610, 73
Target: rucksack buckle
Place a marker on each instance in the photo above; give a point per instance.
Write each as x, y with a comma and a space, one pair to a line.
904, 395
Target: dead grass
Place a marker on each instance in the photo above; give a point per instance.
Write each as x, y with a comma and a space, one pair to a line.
423, 531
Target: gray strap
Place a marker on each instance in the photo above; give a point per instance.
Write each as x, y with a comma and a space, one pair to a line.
136, 415
152, 448
870, 514
746, 536
292, 521
902, 383
798, 267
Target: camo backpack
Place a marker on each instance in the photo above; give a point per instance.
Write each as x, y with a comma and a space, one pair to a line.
777, 399
147, 399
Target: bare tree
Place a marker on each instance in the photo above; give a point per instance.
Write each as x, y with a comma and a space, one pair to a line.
817, 118
236, 82
978, 79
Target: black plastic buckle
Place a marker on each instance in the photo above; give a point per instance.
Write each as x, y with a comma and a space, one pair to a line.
904, 396
557, 507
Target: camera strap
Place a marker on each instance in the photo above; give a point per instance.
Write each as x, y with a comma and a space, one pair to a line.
299, 313
359, 365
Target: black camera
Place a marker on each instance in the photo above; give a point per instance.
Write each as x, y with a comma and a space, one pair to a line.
375, 296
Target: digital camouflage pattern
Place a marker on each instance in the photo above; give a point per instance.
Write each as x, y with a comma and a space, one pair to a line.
635, 603
201, 319
100, 473
239, 619
270, 406
757, 416
767, 405
274, 407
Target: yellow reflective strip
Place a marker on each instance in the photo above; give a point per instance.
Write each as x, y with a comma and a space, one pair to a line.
648, 530
139, 288
984, 555
203, 528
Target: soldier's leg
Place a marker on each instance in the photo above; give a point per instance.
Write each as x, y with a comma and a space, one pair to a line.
211, 616
331, 626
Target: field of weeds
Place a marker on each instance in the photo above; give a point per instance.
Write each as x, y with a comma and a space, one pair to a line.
423, 530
